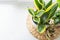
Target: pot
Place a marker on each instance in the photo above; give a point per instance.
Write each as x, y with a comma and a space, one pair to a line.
33, 30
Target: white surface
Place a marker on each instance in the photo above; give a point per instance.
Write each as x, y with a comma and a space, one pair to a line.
13, 23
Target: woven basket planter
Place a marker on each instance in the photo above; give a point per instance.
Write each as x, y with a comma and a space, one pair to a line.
31, 27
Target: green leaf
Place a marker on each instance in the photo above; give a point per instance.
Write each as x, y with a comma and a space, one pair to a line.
56, 17
41, 1
37, 5
31, 11
43, 18
57, 20
48, 4
58, 1
36, 12
57, 14
52, 11
43, 4
41, 28
36, 19
40, 13
50, 7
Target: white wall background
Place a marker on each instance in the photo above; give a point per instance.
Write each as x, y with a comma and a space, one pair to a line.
21, 0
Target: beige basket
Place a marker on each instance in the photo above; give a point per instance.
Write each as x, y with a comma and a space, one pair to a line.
34, 31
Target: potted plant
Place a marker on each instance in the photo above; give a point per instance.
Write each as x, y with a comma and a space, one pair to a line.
44, 21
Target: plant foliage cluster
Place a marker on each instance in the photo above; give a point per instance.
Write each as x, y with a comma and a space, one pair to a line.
45, 14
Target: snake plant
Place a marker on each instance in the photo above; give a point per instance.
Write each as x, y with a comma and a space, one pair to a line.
45, 14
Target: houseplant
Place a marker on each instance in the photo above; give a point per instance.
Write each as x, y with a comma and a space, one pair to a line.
46, 19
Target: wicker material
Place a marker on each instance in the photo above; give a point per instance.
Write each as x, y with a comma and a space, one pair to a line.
34, 31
